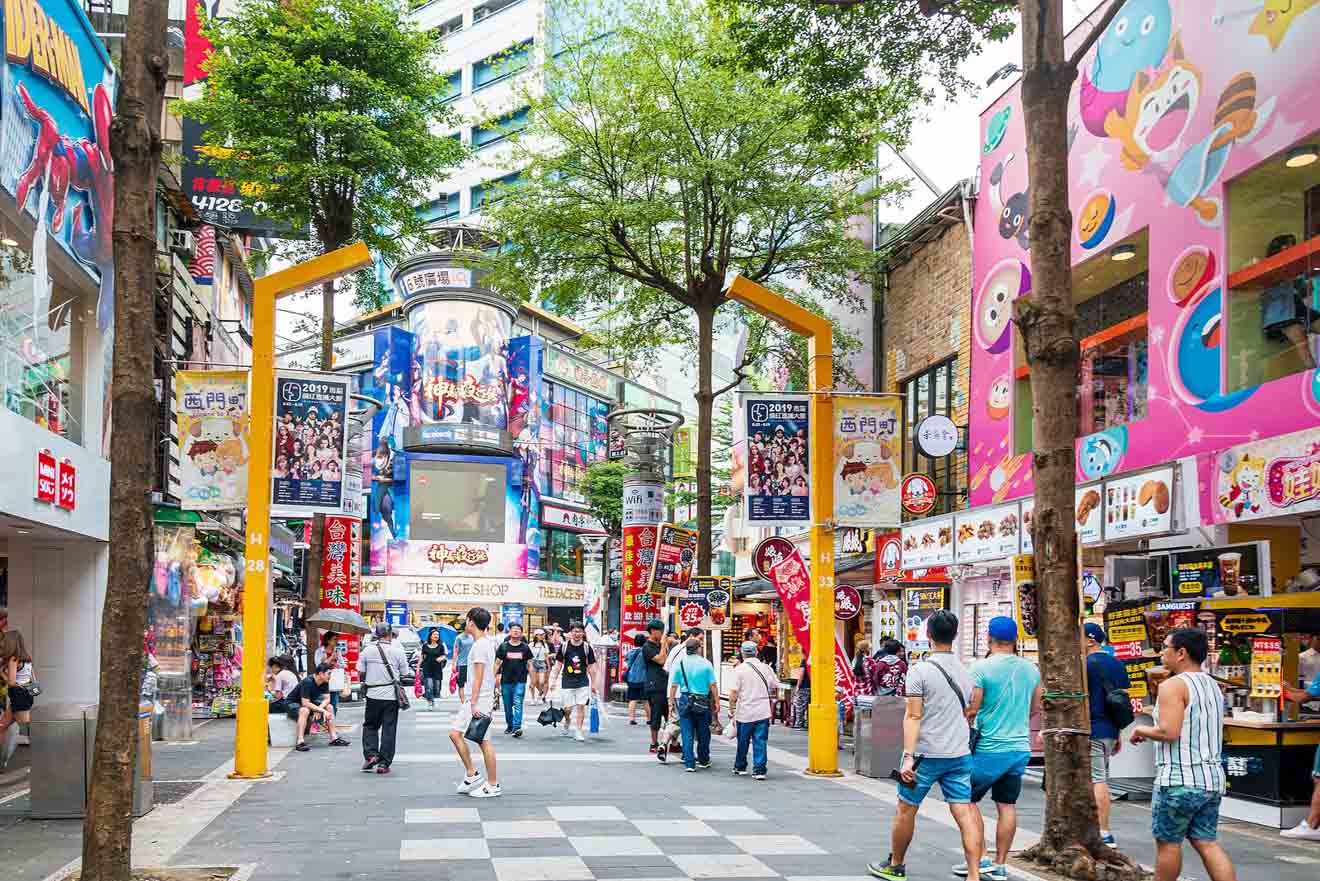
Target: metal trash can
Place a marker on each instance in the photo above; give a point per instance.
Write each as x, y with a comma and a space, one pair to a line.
63, 737
879, 734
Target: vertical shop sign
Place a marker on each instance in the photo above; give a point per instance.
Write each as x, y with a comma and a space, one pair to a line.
868, 448
311, 412
66, 493
639, 604
341, 578
213, 439
1026, 601
675, 553
1266, 667
778, 489
47, 477
684, 464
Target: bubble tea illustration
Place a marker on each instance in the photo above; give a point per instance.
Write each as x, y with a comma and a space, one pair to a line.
1230, 572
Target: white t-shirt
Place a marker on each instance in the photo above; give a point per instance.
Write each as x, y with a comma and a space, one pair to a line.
483, 652
1308, 665
285, 682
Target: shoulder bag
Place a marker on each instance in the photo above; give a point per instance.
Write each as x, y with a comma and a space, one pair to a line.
477, 727
973, 733
400, 693
697, 704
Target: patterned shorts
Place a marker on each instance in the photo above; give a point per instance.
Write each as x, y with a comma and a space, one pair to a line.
1179, 812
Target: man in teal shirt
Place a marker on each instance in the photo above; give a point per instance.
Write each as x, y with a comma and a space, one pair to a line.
1008, 690
692, 678
1308, 828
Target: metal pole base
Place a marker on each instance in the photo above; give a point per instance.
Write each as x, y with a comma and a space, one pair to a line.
812, 772
234, 775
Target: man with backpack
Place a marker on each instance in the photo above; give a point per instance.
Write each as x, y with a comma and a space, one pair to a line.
1111, 711
635, 674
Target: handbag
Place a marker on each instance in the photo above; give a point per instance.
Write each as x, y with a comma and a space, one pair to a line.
973, 733
476, 728
697, 704
400, 693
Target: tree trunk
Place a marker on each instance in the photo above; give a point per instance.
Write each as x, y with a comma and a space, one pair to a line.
705, 425
1070, 842
316, 546
135, 146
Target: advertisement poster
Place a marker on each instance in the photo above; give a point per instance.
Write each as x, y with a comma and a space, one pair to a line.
708, 604
639, 604
778, 478
987, 534
341, 579
310, 443
888, 557
1139, 690
791, 578
868, 452
389, 502
1090, 513
685, 466
1126, 622
1266, 667
928, 543
675, 554
1026, 601
1269, 478
213, 439
1139, 505
1233, 570
919, 603
511, 614
470, 559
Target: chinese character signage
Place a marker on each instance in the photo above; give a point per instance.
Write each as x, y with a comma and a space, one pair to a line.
685, 467
708, 604
569, 518
917, 494
341, 579
847, 602
66, 491
888, 558
778, 489
1235, 570
639, 604
472, 558
643, 503
1278, 477
559, 364
430, 278
868, 450
675, 554
788, 572
1139, 505
919, 603
310, 443
47, 477
211, 406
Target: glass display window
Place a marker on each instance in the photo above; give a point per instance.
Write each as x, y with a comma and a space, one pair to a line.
574, 435
40, 349
561, 555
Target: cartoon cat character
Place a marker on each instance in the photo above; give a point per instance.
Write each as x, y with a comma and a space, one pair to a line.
1246, 486
1157, 112
1136, 40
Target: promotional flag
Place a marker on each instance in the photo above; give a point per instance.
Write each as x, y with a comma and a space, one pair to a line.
868, 455
778, 491
213, 439
310, 443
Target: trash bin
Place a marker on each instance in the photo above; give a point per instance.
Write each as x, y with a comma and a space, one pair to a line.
63, 737
879, 734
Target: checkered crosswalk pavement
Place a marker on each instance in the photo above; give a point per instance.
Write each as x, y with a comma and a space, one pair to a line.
589, 842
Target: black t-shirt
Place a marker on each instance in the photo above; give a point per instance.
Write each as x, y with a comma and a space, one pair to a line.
433, 660
310, 690
657, 680
576, 659
514, 661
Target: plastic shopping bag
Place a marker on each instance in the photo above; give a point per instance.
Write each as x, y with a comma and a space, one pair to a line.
417, 682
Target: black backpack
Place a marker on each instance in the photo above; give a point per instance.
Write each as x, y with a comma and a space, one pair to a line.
1118, 705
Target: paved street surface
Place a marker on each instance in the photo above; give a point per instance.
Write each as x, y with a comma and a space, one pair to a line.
571, 812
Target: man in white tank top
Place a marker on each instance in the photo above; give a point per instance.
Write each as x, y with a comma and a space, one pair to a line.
1189, 778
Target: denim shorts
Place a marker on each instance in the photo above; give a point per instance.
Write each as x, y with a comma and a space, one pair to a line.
1000, 774
1179, 812
953, 775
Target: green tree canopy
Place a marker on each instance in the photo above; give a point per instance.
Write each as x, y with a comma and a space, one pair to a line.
602, 487
654, 168
327, 110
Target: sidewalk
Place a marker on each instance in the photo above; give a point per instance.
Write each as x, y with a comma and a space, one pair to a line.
571, 812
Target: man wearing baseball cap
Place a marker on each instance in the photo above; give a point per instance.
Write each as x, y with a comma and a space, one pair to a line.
1104, 673
1007, 691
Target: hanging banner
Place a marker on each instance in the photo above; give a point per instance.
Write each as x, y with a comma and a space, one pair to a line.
310, 443
778, 477
708, 603
685, 467
868, 450
213, 439
341, 579
788, 572
639, 604
675, 553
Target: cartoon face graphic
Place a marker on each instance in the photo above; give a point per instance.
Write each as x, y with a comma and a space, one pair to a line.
1096, 218
994, 307
1196, 356
995, 129
1100, 454
1192, 271
1276, 17
1135, 40
1013, 220
1166, 109
997, 401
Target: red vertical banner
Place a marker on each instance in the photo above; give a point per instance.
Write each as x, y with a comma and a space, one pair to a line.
639, 604
792, 580
354, 643
47, 478
67, 491
341, 577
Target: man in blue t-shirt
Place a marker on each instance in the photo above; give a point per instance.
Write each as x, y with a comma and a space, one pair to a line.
1103, 673
692, 678
1007, 691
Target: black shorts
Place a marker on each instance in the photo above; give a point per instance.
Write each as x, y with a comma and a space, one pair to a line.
20, 699
659, 708
636, 692
462, 676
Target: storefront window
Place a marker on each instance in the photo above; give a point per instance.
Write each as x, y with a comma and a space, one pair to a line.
930, 393
457, 501
561, 555
1273, 315
574, 434
40, 351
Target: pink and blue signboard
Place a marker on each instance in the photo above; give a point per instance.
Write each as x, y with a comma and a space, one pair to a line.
1176, 102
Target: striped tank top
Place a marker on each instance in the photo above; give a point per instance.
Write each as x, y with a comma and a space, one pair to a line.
1194, 758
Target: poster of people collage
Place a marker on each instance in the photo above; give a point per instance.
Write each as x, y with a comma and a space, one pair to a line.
310, 442
778, 480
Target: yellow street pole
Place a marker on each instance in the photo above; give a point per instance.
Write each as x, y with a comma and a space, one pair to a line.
250, 731
822, 715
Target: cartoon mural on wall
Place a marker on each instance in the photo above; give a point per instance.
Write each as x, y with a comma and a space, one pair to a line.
1177, 99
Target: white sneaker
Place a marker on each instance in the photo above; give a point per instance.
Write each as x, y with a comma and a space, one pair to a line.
487, 790
577, 735
567, 732
1303, 831
469, 784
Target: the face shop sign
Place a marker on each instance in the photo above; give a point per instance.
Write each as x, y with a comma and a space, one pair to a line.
470, 591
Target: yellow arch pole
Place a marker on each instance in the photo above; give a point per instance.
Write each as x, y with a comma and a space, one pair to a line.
822, 715
250, 731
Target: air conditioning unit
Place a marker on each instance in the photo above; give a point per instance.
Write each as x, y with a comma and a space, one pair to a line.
183, 243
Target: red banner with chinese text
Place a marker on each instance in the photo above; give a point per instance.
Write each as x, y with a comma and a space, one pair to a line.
341, 578
639, 604
792, 579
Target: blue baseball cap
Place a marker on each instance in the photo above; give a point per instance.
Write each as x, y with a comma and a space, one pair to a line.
1096, 632
1002, 629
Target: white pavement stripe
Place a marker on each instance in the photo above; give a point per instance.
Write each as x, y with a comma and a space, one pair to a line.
674, 829
585, 813
709, 865
444, 849
775, 845
614, 846
584, 758
541, 869
517, 829
723, 812
441, 815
